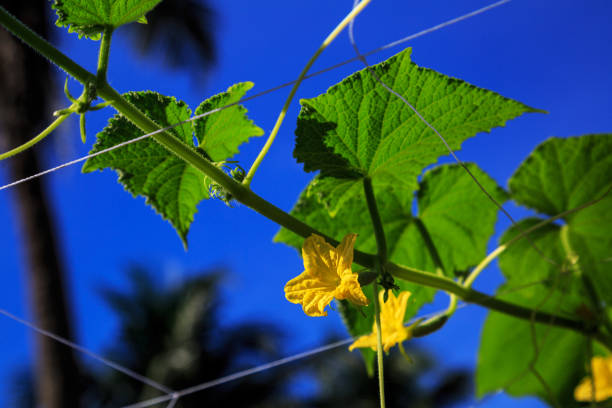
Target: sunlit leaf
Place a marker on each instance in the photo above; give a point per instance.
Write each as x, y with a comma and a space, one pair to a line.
89, 17
171, 186
358, 128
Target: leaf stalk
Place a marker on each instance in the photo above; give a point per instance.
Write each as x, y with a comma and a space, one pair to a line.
379, 348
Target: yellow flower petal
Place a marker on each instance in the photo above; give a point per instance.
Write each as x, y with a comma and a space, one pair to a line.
350, 289
601, 368
327, 275
391, 322
319, 258
369, 340
345, 254
314, 294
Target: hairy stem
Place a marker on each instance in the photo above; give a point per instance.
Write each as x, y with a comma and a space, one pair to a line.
36, 139
43, 47
381, 259
281, 116
379, 348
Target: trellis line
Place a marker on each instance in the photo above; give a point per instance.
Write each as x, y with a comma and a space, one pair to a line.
89, 353
270, 90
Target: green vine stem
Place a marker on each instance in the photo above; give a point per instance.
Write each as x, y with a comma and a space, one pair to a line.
499, 305
381, 259
436, 322
431, 248
483, 264
43, 47
103, 55
379, 348
281, 117
36, 139
247, 197
379, 232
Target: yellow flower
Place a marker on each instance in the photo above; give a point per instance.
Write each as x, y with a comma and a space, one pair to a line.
327, 275
391, 322
601, 370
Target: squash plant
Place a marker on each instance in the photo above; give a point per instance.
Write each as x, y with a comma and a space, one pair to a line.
369, 139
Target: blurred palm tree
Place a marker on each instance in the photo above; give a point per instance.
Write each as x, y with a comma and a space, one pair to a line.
183, 31
175, 336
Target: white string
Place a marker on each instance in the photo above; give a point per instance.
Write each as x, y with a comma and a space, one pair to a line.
85, 351
263, 367
173, 401
173, 396
257, 95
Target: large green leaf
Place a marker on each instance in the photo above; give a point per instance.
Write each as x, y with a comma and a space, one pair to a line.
358, 128
171, 186
507, 353
89, 17
563, 174
458, 216
550, 267
539, 260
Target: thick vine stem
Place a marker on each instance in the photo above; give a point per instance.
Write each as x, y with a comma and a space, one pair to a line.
247, 197
43, 47
237, 190
281, 117
499, 305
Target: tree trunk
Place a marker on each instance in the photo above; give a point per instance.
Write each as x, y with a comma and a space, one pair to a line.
24, 109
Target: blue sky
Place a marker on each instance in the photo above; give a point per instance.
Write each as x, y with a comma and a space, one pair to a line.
553, 55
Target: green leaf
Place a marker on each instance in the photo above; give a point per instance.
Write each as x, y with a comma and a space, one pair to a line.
89, 17
549, 269
459, 217
507, 352
528, 268
171, 186
563, 174
358, 128
221, 134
